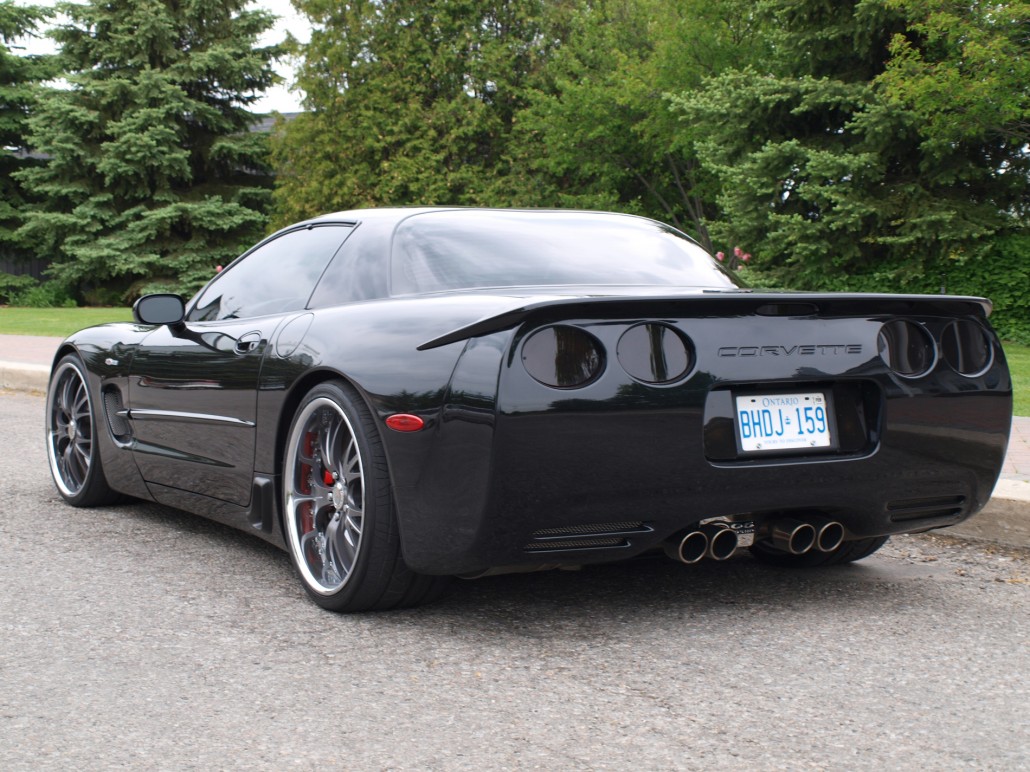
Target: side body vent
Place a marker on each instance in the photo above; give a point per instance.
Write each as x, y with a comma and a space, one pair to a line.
902, 510
115, 410
586, 537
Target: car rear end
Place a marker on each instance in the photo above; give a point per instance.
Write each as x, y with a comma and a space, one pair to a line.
790, 421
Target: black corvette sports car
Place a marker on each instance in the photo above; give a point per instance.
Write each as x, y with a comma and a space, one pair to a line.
398, 396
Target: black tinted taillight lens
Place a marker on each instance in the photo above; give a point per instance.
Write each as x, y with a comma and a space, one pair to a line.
907, 348
563, 357
655, 353
966, 347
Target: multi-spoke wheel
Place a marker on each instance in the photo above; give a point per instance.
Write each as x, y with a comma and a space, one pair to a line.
338, 513
71, 440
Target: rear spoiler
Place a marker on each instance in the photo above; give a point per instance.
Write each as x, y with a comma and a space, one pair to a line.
719, 303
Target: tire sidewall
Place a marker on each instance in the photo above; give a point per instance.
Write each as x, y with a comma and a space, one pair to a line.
94, 487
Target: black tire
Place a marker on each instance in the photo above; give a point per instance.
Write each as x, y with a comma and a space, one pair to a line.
338, 512
847, 552
71, 437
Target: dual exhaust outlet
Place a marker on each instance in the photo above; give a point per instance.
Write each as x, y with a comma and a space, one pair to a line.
718, 540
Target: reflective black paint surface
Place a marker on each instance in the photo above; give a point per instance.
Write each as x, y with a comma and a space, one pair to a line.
645, 434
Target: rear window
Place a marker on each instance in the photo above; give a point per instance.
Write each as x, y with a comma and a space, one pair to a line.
453, 250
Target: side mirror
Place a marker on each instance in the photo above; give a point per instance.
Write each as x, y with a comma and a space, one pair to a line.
159, 309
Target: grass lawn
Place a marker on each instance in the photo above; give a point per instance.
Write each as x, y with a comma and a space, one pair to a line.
60, 322
57, 322
1019, 363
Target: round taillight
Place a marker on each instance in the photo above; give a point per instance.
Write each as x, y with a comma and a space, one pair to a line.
562, 357
655, 353
966, 347
907, 348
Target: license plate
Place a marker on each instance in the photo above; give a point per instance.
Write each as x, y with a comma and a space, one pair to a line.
783, 421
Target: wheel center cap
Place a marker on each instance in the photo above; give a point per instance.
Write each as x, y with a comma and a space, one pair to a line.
339, 495
72, 429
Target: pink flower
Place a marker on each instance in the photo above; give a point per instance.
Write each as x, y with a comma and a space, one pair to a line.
720, 256
737, 251
218, 269
746, 256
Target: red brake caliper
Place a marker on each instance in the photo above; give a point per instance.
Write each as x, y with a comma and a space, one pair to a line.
307, 515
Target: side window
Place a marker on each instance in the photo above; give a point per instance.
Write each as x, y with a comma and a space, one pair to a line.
359, 270
275, 278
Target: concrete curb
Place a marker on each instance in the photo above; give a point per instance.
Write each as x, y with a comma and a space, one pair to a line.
23, 377
1005, 519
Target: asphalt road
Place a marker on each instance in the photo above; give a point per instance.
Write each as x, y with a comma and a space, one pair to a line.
139, 637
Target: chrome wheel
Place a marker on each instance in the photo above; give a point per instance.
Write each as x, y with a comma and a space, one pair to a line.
324, 487
70, 430
338, 514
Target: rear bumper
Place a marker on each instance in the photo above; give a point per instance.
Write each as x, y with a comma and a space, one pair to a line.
645, 463
555, 474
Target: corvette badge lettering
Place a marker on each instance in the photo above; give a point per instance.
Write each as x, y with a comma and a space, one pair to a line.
829, 349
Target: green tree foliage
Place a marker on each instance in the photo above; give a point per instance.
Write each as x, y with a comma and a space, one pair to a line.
408, 101
1001, 272
855, 144
964, 68
153, 172
599, 131
19, 76
829, 179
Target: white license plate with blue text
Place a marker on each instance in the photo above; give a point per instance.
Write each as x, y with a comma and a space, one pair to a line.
783, 422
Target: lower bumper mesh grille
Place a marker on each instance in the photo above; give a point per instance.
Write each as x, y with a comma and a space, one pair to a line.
576, 544
932, 507
586, 537
583, 530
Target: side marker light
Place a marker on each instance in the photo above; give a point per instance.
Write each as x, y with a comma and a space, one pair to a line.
404, 422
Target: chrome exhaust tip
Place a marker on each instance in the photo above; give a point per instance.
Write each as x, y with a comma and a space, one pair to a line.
829, 534
722, 540
690, 549
792, 536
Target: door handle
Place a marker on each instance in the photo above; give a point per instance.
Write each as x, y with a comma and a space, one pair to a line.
247, 342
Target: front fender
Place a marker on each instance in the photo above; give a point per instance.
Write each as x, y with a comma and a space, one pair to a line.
107, 351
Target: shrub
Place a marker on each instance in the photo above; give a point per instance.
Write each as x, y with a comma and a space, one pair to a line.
11, 285
998, 270
49, 294
1003, 275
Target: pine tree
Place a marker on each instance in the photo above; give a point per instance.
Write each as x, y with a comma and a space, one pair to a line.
19, 76
963, 69
828, 180
154, 175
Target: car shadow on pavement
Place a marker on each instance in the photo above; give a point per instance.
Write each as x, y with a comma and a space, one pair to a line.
558, 602
654, 589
